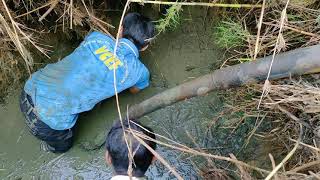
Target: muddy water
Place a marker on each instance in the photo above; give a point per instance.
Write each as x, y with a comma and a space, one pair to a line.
175, 57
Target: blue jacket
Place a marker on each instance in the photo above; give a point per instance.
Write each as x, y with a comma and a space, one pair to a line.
62, 90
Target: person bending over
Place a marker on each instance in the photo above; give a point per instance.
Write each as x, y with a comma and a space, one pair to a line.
53, 97
117, 150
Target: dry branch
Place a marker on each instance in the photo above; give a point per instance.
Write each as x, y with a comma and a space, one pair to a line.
200, 4
186, 149
53, 5
305, 166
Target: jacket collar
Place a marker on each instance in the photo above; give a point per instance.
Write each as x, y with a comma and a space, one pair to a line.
130, 46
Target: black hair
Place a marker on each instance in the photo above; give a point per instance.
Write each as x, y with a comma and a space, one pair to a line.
138, 29
118, 149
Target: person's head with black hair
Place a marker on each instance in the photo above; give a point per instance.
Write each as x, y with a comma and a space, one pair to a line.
138, 29
117, 149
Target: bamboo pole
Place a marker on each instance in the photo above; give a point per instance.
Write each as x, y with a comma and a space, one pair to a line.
296, 62
200, 4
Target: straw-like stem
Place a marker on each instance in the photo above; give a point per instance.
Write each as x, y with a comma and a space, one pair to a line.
201, 4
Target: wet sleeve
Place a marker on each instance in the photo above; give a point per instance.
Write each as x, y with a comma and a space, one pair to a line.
143, 81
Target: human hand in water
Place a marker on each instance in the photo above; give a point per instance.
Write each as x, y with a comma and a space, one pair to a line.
134, 90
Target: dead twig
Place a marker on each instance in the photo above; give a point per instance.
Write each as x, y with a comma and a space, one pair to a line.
288, 156
53, 5
306, 145
97, 20
275, 50
273, 163
294, 29
304, 166
293, 117
71, 13
163, 161
256, 49
200, 4
195, 152
243, 172
36, 9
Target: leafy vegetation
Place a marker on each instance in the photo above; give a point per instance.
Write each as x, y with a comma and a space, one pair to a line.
171, 19
229, 34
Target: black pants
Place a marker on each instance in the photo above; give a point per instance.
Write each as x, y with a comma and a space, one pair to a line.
58, 141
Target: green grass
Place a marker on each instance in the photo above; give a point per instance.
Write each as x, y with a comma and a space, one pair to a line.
228, 34
318, 20
171, 19
294, 17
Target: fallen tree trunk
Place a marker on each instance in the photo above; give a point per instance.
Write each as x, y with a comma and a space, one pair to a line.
296, 62
292, 63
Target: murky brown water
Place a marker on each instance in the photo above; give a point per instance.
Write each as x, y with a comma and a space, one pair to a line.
175, 57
